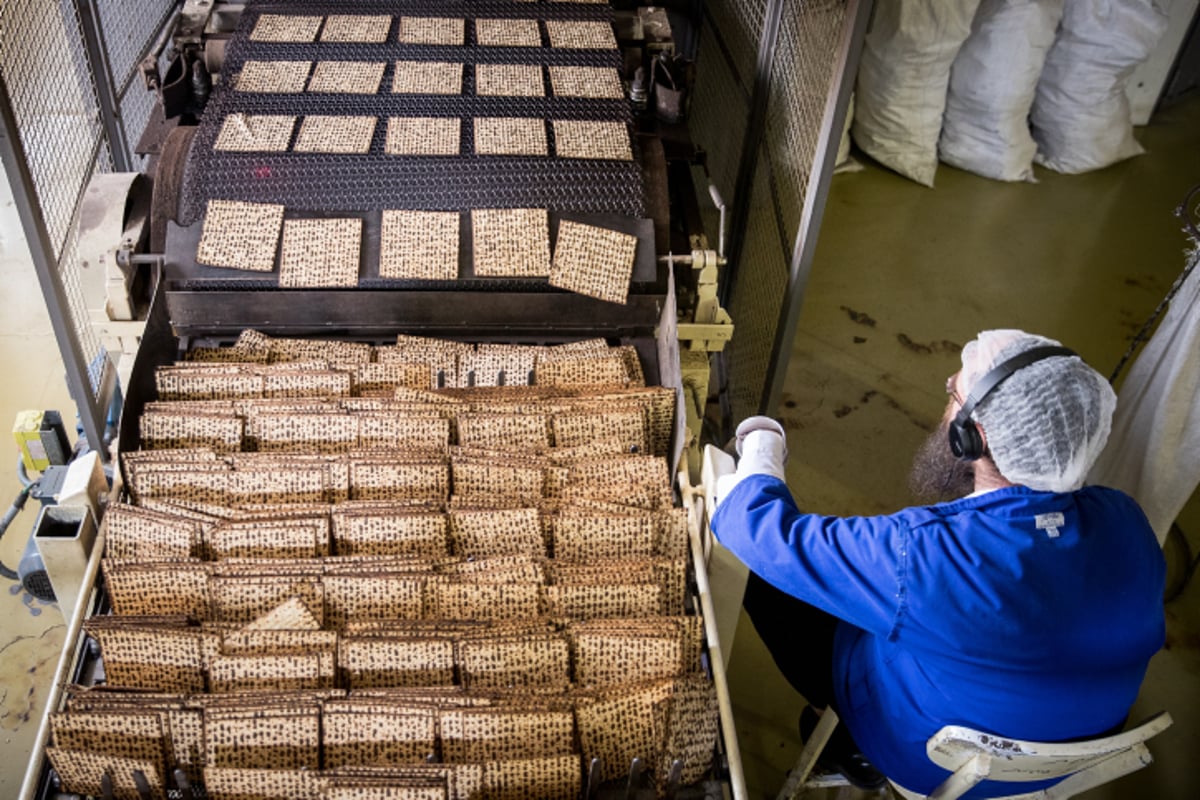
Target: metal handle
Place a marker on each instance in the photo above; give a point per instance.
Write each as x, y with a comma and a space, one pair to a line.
720, 204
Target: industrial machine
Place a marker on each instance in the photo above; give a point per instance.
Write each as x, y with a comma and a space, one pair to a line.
143, 231
575, 111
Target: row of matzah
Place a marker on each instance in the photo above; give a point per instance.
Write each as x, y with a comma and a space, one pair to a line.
588, 654
570, 531
492, 477
292, 427
507, 243
307, 745
335, 592
424, 136
375, 29
434, 78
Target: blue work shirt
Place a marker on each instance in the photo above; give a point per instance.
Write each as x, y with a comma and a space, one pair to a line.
1031, 615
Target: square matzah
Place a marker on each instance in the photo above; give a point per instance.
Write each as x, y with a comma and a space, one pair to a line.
285, 28
240, 235
276, 77
509, 80
335, 135
603, 82
420, 245
346, 77
511, 242
587, 139
320, 252
432, 30
255, 132
507, 33
593, 261
510, 136
423, 136
356, 28
427, 77
581, 35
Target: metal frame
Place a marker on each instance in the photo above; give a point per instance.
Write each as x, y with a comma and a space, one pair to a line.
836, 107
789, 196
756, 129
109, 103
93, 408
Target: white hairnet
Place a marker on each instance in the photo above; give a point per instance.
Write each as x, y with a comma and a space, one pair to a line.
1047, 423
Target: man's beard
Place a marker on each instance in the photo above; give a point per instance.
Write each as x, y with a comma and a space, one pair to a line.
937, 475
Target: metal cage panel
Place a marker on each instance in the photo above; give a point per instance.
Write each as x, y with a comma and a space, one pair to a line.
738, 25
720, 111
128, 26
796, 108
758, 303
54, 102
72, 107
773, 80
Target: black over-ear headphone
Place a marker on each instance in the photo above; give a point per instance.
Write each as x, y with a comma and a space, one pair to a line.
965, 441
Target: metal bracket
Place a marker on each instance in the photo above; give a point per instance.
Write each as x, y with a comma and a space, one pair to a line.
636, 768
711, 326
192, 22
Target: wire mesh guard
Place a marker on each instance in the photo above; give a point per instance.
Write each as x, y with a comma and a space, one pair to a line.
803, 76
52, 92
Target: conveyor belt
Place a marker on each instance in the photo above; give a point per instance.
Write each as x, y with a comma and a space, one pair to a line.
372, 181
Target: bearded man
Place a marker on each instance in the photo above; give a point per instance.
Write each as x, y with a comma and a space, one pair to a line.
1025, 604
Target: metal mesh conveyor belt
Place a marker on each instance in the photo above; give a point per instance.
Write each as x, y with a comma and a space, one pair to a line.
374, 180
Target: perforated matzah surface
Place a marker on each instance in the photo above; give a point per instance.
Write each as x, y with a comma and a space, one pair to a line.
240, 235
509, 80
420, 245
423, 136
346, 77
255, 132
593, 261
432, 30
508, 33
585, 139
511, 242
427, 77
274, 77
82, 772
356, 28
581, 35
600, 82
335, 134
510, 136
285, 28
320, 252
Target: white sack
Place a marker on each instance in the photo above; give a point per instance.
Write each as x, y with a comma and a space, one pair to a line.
1153, 452
845, 161
992, 84
843, 153
902, 80
1081, 118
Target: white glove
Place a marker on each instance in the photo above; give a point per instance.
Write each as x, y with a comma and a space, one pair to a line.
778, 443
762, 445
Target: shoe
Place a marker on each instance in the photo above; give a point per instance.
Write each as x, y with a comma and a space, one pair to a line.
842, 755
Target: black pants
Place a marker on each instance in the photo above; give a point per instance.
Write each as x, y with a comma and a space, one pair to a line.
798, 636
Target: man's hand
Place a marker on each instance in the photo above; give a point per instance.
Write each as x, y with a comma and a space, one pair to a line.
762, 445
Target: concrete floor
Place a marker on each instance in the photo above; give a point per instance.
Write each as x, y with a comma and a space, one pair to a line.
903, 276
31, 632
